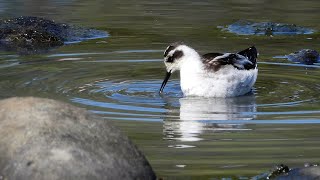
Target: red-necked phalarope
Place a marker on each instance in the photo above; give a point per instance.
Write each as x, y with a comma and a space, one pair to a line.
212, 74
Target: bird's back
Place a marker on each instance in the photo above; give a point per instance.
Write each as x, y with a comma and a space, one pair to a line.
243, 60
251, 53
225, 75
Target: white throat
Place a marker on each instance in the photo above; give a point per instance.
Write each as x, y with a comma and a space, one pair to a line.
191, 60
191, 70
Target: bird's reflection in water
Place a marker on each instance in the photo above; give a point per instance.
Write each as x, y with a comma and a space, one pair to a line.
200, 115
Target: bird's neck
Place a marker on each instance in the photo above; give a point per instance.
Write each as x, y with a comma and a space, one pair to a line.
191, 70
192, 63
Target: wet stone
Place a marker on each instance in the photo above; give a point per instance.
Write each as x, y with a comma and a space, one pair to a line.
245, 27
283, 172
312, 172
34, 33
47, 139
304, 56
278, 170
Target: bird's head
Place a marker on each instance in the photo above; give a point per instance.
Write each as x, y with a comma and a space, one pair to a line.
174, 56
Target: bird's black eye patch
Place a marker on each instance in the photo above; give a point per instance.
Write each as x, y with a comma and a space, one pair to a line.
170, 59
176, 55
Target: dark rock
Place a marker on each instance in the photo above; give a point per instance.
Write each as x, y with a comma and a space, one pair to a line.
47, 139
245, 27
275, 172
279, 170
304, 56
25, 34
282, 172
306, 173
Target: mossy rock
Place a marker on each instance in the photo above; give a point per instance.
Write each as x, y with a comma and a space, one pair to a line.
34, 33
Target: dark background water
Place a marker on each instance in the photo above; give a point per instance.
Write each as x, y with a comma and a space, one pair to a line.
197, 138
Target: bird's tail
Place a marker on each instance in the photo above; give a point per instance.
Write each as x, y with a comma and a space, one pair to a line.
251, 53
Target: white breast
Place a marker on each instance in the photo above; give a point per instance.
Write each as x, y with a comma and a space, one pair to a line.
226, 82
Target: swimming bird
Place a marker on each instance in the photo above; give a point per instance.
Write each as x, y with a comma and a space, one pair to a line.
212, 74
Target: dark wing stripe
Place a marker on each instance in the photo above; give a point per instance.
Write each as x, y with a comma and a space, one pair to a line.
211, 56
236, 60
209, 63
244, 60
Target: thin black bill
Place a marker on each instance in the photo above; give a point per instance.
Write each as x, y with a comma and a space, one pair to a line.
165, 81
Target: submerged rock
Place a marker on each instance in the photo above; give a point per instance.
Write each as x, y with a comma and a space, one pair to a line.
275, 172
245, 27
307, 173
304, 56
34, 33
283, 172
47, 139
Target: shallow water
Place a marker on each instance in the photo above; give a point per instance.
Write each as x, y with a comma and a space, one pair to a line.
200, 138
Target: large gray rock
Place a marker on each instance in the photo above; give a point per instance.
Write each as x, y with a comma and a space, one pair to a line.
47, 139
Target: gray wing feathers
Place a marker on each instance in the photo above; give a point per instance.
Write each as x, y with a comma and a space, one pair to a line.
244, 60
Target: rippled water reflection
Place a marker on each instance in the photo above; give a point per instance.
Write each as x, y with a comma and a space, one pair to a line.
222, 137
119, 78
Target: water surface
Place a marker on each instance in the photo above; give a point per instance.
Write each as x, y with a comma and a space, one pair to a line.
183, 137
